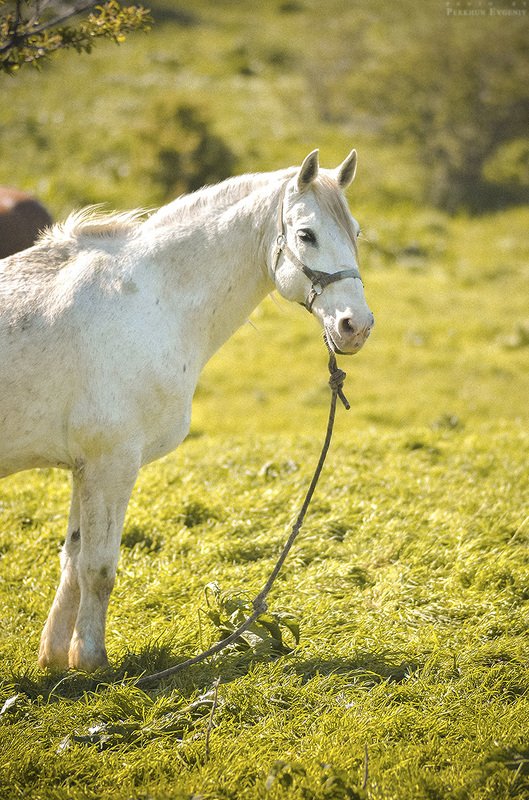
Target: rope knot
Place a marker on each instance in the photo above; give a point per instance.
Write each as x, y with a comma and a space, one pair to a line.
338, 376
337, 379
336, 382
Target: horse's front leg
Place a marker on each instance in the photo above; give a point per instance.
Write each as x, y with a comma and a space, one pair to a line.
105, 488
55, 639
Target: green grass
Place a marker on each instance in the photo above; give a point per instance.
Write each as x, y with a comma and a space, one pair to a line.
410, 579
410, 584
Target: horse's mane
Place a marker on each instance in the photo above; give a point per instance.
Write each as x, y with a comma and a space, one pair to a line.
94, 222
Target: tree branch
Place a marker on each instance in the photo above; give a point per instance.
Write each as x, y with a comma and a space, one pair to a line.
55, 23
27, 39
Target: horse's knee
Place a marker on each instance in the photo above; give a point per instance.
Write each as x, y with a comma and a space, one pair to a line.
70, 553
98, 581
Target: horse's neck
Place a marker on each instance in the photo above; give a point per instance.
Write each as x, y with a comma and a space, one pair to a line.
215, 269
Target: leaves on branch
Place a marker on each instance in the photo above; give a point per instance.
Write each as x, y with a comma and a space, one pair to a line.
33, 30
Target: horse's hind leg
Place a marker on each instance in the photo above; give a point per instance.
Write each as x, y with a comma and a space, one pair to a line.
104, 491
55, 639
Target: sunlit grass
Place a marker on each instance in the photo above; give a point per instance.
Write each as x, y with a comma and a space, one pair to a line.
410, 583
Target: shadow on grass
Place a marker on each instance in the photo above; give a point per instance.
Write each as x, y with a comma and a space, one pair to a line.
367, 669
50, 686
68, 684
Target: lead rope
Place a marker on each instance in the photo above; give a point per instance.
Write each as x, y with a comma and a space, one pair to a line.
336, 381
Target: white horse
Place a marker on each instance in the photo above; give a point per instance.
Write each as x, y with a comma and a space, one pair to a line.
106, 323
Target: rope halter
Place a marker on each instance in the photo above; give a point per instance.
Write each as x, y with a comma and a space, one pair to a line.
319, 280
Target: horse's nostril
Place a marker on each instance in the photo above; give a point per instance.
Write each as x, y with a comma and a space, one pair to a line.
347, 326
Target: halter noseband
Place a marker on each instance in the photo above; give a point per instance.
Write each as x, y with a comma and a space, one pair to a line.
319, 280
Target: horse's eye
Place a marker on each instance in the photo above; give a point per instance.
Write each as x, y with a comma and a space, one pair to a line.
307, 236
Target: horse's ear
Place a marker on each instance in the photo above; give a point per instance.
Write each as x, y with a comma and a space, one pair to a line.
308, 171
346, 171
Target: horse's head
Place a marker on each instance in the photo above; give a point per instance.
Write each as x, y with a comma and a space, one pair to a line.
315, 254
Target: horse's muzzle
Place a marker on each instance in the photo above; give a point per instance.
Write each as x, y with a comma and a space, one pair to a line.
347, 335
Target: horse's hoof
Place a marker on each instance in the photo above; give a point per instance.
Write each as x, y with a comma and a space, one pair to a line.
52, 658
86, 659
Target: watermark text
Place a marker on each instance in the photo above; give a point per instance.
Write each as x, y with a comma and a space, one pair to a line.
486, 8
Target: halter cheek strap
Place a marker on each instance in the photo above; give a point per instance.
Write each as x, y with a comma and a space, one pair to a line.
319, 280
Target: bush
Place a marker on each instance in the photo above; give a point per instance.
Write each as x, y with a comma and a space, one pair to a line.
181, 151
459, 93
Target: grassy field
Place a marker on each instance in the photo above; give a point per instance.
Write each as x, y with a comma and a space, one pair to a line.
410, 579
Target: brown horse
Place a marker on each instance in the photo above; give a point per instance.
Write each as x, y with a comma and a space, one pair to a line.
21, 220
